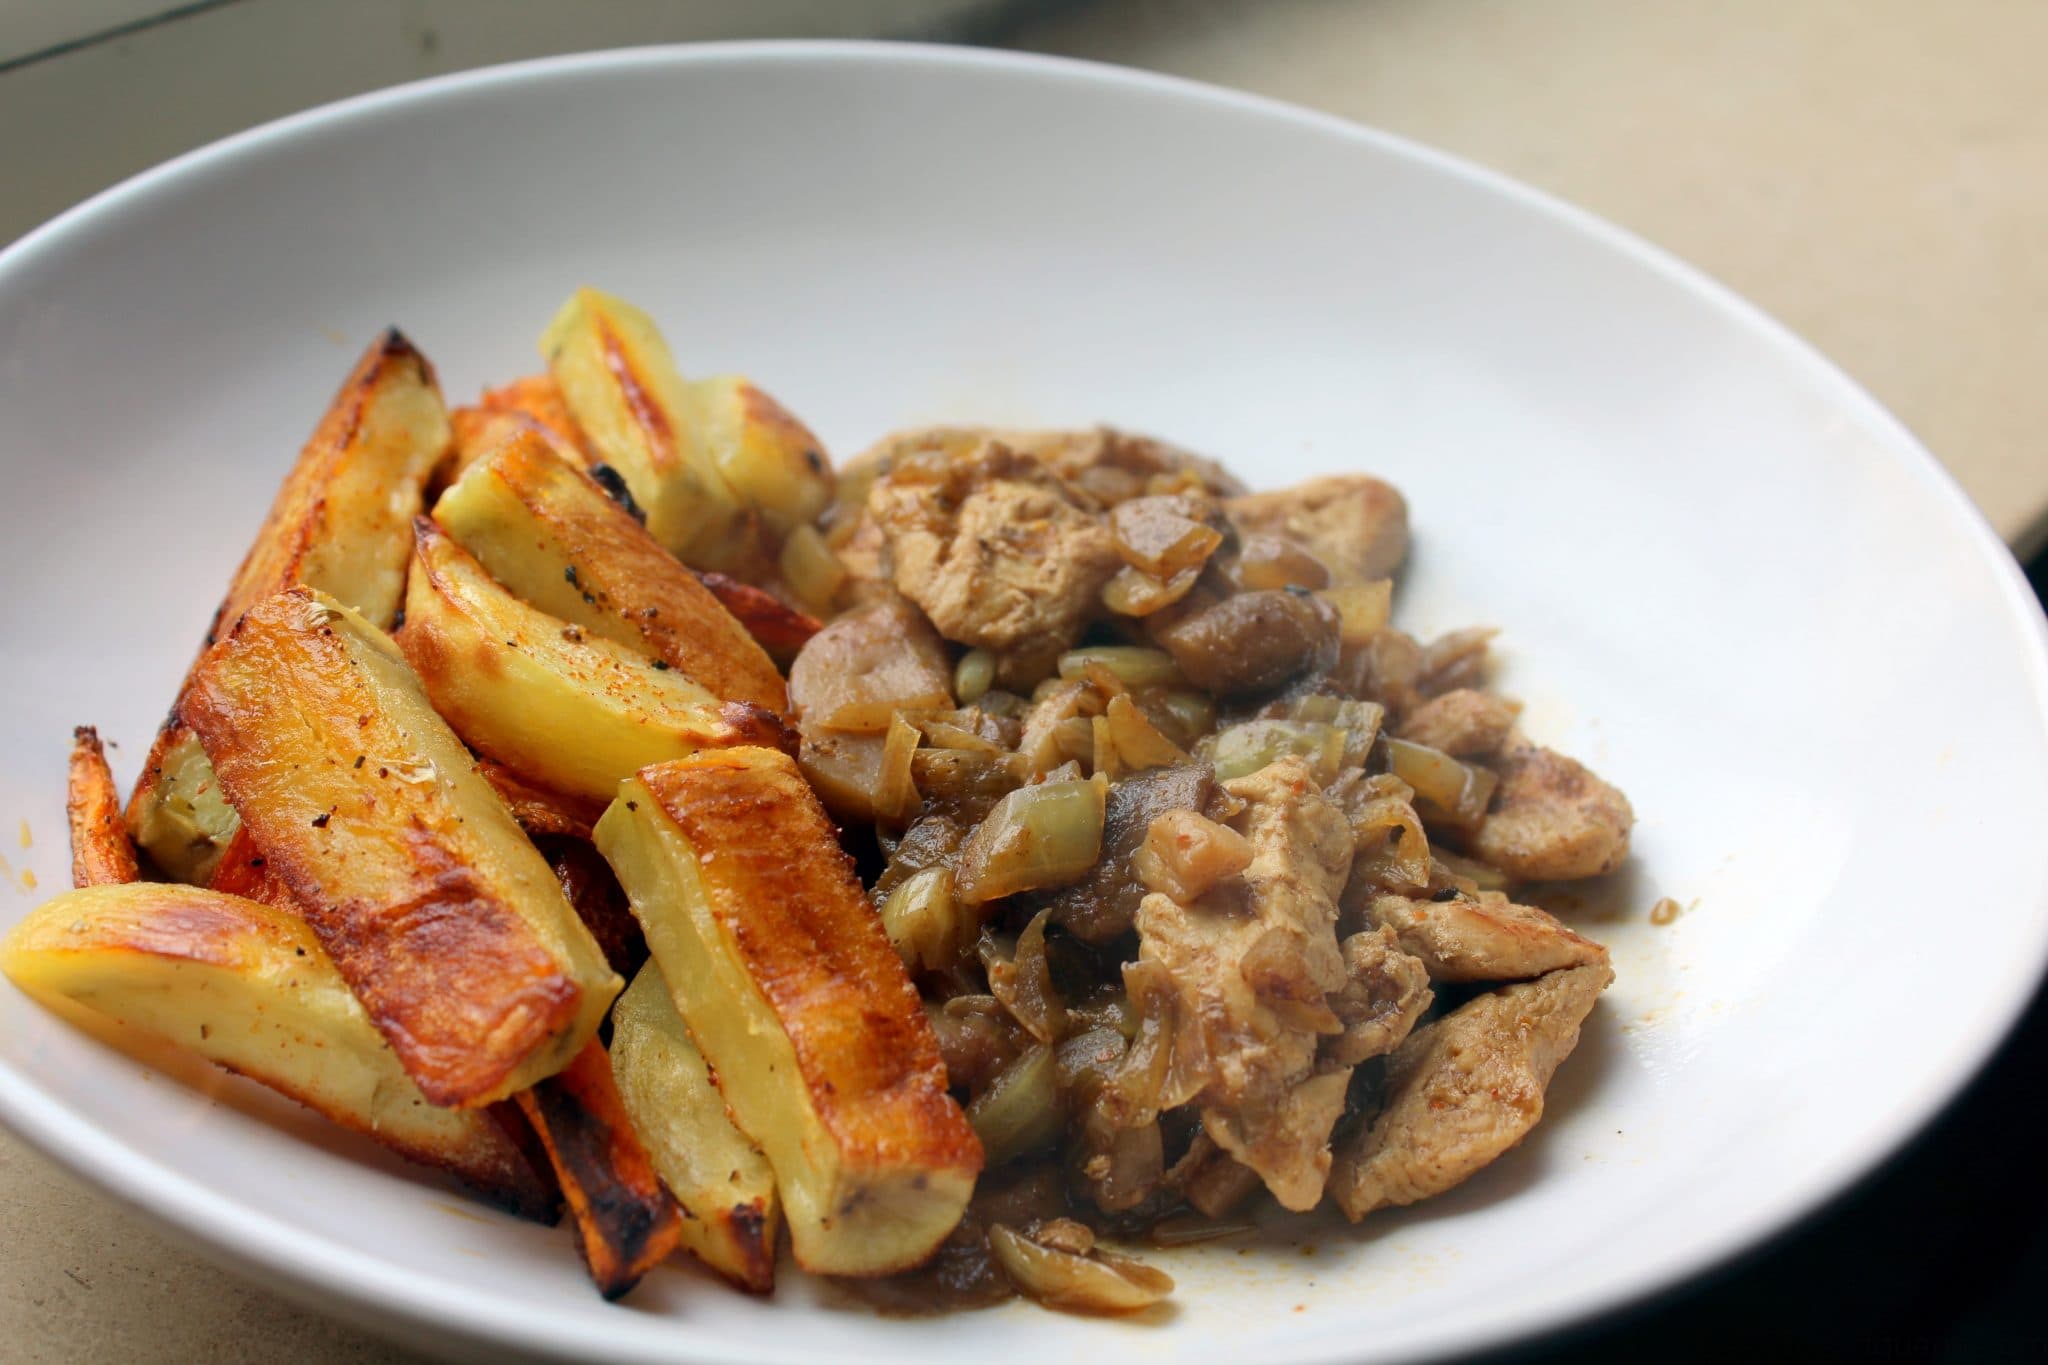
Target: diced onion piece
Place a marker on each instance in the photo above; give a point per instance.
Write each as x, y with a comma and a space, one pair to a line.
1038, 836
1194, 712
1095, 1283
1137, 742
1103, 756
1393, 850
1020, 976
1268, 562
1133, 665
1363, 609
896, 787
1157, 537
1019, 1113
1455, 793
1244, 749
973, 676
1360, 721
1185, 854
1133, 592
925, 924
942, 731
810, 569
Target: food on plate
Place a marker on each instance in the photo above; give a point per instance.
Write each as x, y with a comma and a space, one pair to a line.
547, 531
783, 974
250, 987
1019, 843
626, 1224
552, 701
434, 905
732, 1217
341, 523
101, 854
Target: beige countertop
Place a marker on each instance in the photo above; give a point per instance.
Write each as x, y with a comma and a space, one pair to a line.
1867, 170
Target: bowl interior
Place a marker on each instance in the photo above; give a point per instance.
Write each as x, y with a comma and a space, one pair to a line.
1725, 579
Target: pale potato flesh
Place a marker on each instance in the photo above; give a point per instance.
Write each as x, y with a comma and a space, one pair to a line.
807, 1017
438, 912
768, 457
557, 705
550, 535
250, 987
731, 1215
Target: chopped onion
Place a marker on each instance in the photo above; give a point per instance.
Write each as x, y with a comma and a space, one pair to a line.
1185, 854
895, 786
1163, 536
1133, 592
810, 569
1019, 1113
1268, 562
1098, 1282
927, 927
1021, 978
1244, 749
1448, 791
1363, 609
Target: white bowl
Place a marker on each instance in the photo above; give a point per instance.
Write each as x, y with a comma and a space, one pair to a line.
1728, 580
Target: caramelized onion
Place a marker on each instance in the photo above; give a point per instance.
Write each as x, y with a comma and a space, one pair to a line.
1037, 836
1096, 1282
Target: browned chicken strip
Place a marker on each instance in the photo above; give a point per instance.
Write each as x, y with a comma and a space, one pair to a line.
1486, 937
1465, 1089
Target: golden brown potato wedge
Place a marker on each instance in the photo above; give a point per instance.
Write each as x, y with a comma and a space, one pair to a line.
806, 1015
553, 537
731, 1216
559, 706
766, 456
177, 814
479, 431
626, 396
626, 1224
435, 907
100, 852
342, 523
779, 628
249, 986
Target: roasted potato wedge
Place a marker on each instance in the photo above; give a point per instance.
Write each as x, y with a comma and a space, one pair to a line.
435, 907
249, 986
731, 1216
766, 456
626, 1224
776, 626
622, 388
553, 537
100, 852
177, 814
479, 431
341, 523
557, 705
805, 1013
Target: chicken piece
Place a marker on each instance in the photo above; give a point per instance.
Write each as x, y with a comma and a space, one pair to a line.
1552, 820
1249, 642
1464, 723
1110, 465
1252, 964
1355, 524
1465, 1089
1000, 554
1378, 1006
1487, 938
